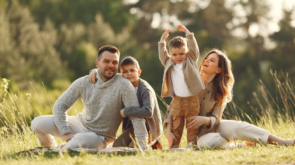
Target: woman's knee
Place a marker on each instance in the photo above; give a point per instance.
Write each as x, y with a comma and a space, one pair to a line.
213, 140
229, 127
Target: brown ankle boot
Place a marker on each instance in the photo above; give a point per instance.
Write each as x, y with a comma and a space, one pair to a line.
158, 145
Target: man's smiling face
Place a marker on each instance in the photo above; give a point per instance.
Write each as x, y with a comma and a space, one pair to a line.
108, 65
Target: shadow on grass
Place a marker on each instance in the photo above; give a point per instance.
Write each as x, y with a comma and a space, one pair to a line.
27, 154
53, 155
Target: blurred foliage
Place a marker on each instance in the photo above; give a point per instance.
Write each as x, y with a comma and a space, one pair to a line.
56, 42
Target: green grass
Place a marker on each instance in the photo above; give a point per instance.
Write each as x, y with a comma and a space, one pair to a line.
19, 108
248, 155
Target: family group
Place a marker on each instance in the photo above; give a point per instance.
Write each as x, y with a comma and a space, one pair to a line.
200, 95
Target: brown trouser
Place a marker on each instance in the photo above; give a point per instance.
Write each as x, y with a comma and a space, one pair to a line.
182, 109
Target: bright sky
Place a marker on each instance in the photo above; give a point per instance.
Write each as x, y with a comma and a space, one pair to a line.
276, 12
267, 26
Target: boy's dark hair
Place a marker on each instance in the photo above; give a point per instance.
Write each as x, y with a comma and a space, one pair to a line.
109, 48
177, 42
129, 61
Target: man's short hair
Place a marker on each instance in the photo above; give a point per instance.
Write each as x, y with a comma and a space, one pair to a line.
109, 48
129, 61
177, 42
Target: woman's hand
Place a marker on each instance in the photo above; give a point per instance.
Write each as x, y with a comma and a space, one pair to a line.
165, 35
170, 136
92, 77
198, 121
183, 29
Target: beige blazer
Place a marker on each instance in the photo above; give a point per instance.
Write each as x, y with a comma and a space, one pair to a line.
191, 72
208, 107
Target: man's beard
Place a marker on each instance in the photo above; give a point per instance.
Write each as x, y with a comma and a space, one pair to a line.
106, 76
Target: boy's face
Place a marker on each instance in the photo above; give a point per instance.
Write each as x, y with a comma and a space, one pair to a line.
178, 55
131, 73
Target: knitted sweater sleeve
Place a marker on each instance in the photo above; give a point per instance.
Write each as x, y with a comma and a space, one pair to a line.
129, 97
146, 111
64, 103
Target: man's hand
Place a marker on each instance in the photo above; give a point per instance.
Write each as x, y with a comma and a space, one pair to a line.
183, 29
165, 35
67, 136
92, 77
170, 136
198, 121
122, 112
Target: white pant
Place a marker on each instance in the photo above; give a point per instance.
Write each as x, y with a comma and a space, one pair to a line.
45, 129
229, 131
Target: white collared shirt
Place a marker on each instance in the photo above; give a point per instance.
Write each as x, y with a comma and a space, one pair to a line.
179, 85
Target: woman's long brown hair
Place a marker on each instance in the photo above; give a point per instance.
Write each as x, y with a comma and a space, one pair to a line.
223, 82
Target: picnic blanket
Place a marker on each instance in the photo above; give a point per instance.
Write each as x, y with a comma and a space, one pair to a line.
113, 150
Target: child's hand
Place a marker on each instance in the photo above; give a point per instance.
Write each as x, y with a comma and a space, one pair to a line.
165, 35
92, 77
183, 29
122, 113
170, 138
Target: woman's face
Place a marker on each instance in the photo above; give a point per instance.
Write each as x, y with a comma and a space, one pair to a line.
210, 64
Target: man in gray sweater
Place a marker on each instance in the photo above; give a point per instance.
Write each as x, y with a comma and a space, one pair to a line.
98, 123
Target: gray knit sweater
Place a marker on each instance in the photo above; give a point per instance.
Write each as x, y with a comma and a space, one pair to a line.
102, 104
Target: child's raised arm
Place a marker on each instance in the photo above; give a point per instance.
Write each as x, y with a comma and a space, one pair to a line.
165, 35
163, 54
192, 43
183, 29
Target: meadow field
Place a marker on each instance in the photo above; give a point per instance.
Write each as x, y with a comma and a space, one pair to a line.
47, 44
18, 108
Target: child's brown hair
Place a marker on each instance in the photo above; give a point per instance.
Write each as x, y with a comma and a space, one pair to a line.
177, 42
129, 61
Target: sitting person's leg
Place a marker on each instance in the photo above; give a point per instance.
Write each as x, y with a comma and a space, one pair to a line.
238, 130
213, 140
140, 131
45, 129
86, 140
124, 139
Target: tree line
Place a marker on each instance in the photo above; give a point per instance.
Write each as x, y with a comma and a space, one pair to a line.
46, 40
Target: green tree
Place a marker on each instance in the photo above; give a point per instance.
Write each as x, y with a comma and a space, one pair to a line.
28, 53
79, 11
283, 54
247, 51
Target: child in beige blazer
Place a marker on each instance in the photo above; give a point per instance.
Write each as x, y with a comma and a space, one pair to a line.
182, 81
